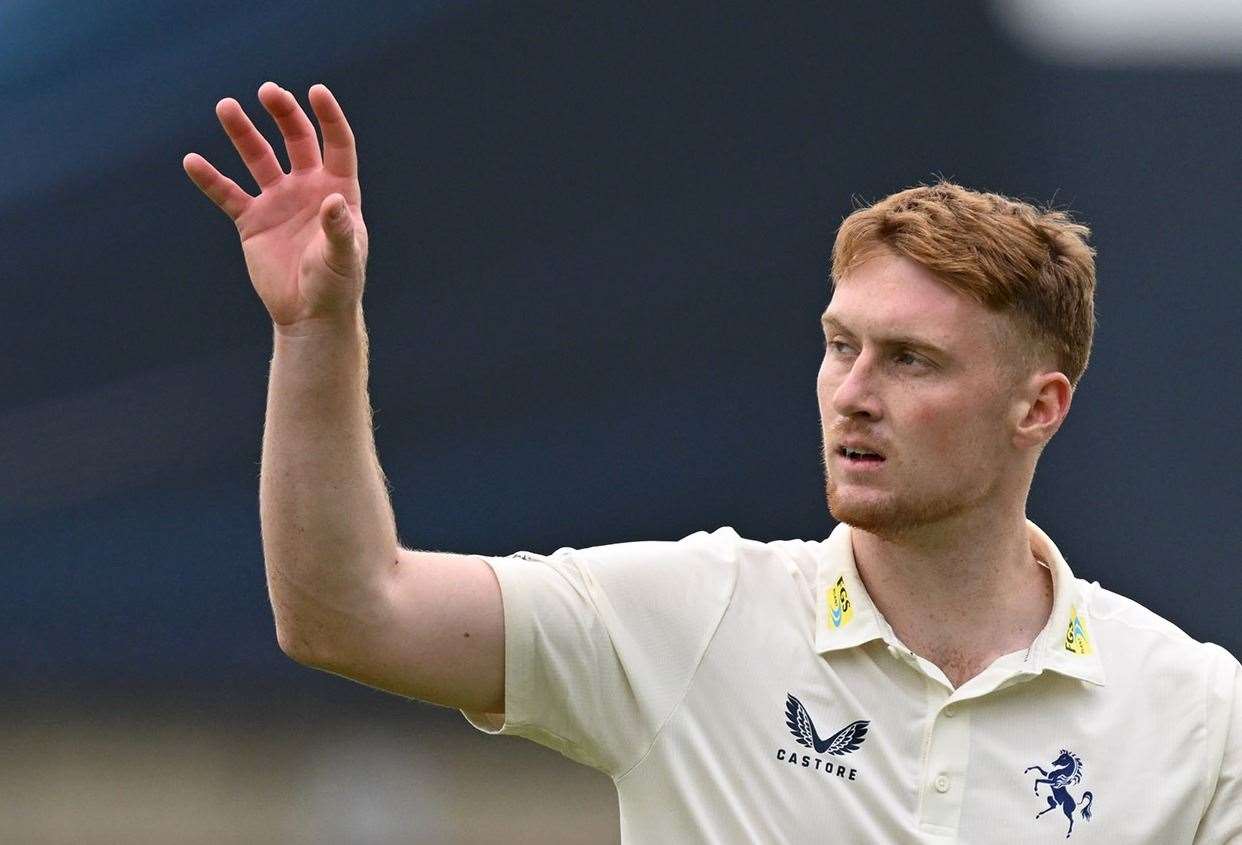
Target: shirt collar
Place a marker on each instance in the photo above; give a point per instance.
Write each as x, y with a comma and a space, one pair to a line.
845, 616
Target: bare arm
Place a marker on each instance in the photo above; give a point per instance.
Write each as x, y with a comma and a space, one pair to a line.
346, 597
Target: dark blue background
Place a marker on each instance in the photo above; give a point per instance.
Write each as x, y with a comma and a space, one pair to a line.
600, 237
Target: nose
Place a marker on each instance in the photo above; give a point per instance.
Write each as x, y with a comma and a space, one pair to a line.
855, 395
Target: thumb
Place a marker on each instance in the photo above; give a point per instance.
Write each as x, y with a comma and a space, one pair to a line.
338, 226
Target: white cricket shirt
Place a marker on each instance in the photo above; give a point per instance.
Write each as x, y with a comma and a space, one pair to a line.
739, 691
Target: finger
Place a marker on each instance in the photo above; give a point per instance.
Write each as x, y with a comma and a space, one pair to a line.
301, 142
340, 157
220, 189
341, 249
253, 148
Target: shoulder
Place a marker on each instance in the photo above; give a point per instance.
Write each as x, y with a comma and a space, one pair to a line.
703, 566
1138, 639
1127, 617
721, 550
640, 578
702, 548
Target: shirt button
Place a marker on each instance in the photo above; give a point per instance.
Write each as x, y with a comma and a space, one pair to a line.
941, 783
949, 711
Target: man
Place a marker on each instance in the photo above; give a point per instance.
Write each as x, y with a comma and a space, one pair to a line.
930, 672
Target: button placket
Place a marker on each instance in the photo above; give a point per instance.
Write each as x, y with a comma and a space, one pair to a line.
944, 771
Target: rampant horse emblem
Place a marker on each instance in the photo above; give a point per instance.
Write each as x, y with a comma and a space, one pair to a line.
803, 729
1066, 771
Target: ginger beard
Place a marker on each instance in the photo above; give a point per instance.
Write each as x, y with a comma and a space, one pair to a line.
889, 508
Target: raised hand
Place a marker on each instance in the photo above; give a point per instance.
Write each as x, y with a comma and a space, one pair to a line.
303, 237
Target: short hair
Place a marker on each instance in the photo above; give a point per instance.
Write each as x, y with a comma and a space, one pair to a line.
1030, 263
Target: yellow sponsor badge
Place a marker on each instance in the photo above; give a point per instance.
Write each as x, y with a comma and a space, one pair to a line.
840, 608
1076, 639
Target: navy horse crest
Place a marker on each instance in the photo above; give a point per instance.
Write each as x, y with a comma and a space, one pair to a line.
1066, 771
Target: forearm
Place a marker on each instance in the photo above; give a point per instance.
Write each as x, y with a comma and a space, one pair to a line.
329, 536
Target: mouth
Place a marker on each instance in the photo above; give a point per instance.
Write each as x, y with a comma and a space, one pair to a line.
859, 458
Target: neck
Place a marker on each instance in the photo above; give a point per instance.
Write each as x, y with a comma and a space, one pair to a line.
959, 594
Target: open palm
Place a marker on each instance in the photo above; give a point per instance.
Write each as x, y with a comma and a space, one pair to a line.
303, 237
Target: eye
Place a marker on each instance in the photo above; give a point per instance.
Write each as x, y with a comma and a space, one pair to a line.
837, 346
907, 358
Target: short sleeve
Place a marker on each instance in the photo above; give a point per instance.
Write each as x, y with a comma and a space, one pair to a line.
1222, 817
602, 643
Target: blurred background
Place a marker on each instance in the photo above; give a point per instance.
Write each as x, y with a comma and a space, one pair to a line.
600, 235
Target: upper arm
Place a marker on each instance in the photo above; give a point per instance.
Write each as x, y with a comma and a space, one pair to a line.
436, 634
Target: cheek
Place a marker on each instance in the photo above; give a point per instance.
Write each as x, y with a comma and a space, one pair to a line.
935, 427
933, 446
950, 430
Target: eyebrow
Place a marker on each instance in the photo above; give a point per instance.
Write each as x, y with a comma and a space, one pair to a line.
830, 322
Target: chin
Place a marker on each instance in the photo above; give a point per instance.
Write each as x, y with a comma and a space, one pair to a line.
888, 517
874, 517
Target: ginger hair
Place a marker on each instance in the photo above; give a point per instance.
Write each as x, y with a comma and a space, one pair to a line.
1032, 264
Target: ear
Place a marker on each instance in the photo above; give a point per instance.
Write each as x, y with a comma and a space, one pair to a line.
1039, 408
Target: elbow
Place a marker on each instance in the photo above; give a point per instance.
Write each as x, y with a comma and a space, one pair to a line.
312, 652
295, 646
299, 635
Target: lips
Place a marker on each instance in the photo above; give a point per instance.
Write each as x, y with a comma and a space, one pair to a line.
853, 463
859, 450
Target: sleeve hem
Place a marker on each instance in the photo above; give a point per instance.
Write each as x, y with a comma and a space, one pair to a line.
517, 642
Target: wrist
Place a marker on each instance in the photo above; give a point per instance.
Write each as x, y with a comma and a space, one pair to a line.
349, 321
